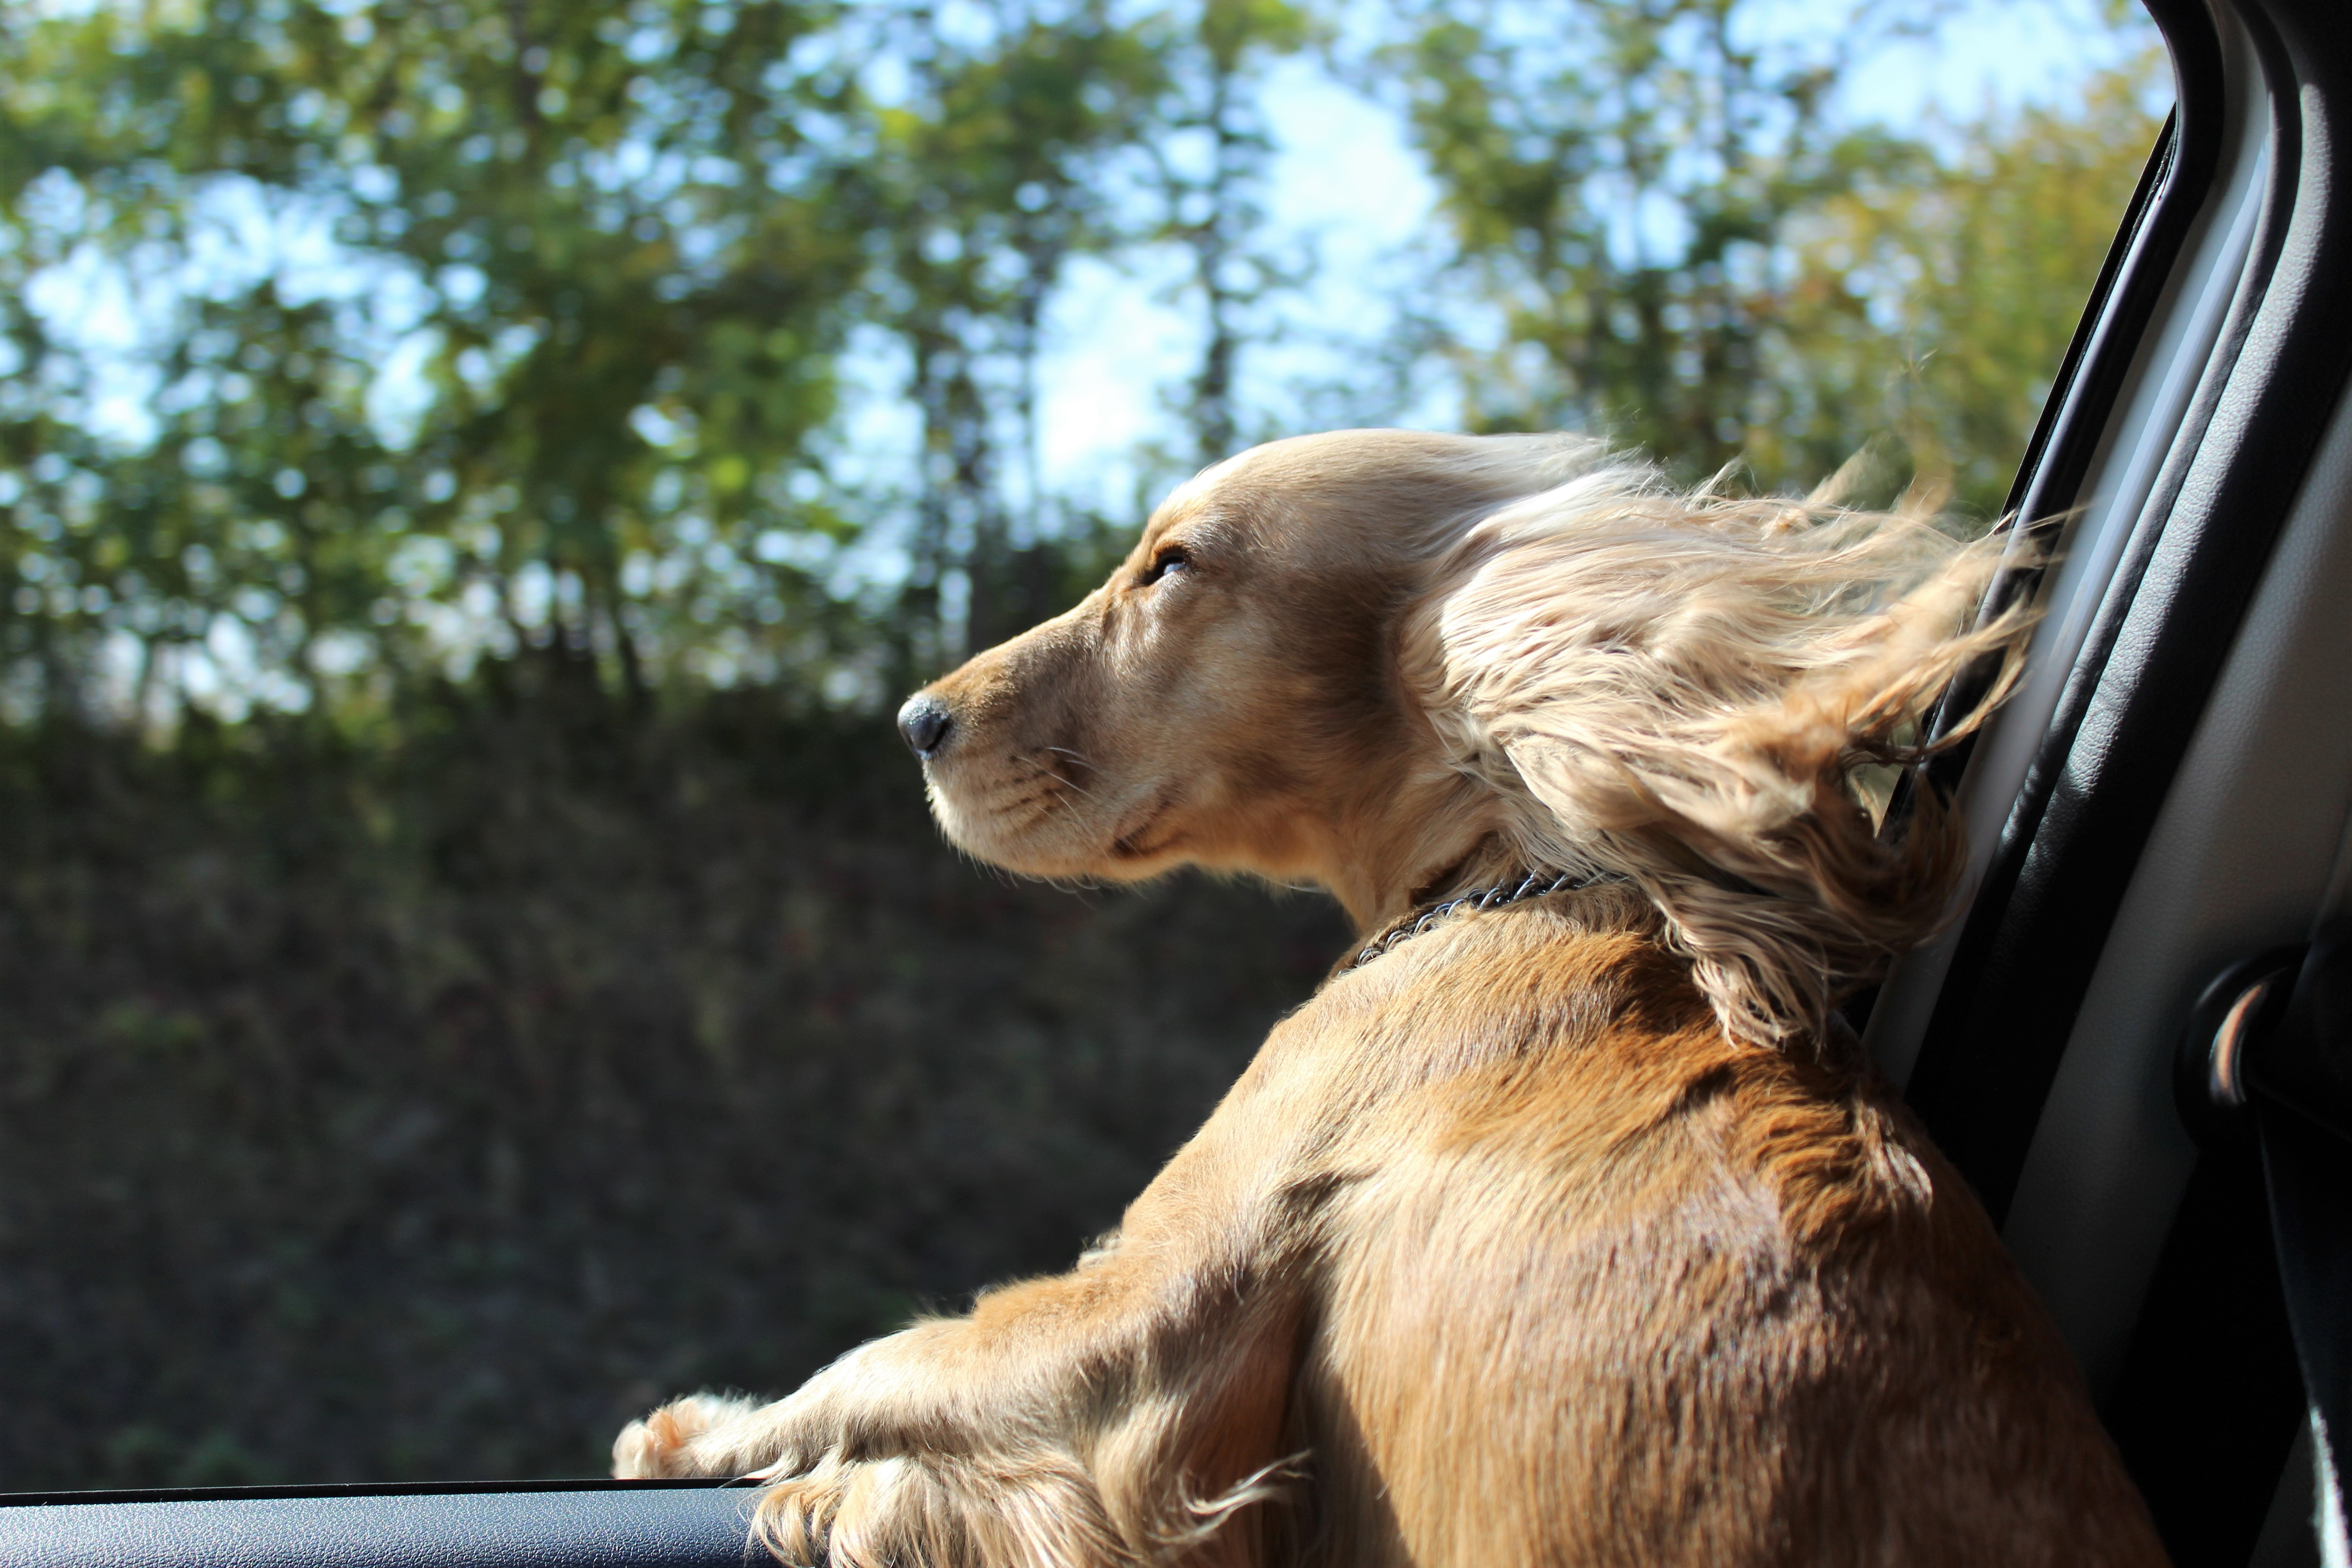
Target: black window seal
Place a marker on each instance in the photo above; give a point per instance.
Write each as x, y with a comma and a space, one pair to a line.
2041, 918
347, 1489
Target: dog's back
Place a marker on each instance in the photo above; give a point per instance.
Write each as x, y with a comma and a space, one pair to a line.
1598, 1286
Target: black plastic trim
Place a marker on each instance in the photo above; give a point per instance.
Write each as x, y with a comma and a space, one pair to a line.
2173, 188
2041, 917
2207, 1399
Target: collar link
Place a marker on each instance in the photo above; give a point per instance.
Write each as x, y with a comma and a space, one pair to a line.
1536, 885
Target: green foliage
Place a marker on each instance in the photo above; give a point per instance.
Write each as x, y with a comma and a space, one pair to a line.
606, 224
469, 326
622, 251
1934, 300
1689, 253
998, 172
1618, 178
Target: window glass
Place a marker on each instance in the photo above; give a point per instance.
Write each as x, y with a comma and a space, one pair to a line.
475, 477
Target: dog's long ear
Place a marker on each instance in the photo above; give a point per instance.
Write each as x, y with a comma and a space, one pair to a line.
1686, 689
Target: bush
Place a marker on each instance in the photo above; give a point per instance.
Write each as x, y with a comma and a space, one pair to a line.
425, 1108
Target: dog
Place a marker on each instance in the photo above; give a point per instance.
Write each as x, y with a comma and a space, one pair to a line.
1566, 1224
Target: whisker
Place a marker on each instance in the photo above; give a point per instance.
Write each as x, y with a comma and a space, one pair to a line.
1046, 772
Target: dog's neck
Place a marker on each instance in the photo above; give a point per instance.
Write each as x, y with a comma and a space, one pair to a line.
1409, 841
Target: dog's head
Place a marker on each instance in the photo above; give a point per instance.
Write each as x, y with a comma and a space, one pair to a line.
1392, 663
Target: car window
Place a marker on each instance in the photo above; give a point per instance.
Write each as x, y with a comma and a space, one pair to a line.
477, 478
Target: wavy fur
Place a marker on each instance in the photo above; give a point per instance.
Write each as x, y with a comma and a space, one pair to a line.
1682, 688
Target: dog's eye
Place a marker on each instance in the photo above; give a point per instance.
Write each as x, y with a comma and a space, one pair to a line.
1172, 558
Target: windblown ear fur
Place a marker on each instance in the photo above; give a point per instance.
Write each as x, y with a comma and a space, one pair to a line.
1681, 687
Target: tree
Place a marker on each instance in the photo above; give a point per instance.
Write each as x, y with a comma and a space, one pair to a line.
1935, 300
1686, 250
1616, 179
611, 254
491, 328
1212, 166
994, 173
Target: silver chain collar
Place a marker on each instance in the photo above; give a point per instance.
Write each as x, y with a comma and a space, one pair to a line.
1501, 893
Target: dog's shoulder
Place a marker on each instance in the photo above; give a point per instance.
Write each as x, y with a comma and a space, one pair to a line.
1577, 1041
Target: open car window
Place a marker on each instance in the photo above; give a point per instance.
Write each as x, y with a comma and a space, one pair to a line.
616, 1026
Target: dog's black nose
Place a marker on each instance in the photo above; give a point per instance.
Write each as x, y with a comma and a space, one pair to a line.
924, 722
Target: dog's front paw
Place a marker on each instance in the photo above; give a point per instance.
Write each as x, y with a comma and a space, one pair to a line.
980, 1510
663, 1445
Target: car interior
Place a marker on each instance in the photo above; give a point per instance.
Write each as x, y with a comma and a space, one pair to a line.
2135, 1038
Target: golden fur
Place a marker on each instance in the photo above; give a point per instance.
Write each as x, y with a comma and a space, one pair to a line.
1574, 1231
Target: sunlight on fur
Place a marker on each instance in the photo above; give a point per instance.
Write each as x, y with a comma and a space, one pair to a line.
1642, 675
1575, 1228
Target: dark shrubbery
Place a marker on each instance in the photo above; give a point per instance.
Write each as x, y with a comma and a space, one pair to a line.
426, 1109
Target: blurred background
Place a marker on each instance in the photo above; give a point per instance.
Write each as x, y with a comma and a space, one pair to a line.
477, 474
